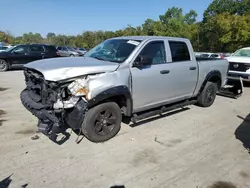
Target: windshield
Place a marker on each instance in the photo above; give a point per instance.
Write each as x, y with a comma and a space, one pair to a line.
114, 50
242, 53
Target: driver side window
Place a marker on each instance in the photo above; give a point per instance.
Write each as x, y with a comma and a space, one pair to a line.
155, 51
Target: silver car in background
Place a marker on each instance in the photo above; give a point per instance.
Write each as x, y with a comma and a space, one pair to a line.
81, 50
66, 51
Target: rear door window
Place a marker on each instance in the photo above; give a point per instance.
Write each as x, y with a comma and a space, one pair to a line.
36, 49
179, 51
214, 55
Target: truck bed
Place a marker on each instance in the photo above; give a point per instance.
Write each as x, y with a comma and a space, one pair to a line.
207, 65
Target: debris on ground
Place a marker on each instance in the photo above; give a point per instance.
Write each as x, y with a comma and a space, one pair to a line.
36, 137
3, 89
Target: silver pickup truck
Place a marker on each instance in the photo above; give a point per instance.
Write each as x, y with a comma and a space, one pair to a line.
138, 77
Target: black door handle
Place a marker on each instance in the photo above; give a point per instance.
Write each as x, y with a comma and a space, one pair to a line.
165, 71
192, 68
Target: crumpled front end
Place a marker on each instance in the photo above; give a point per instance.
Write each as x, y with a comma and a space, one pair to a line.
51, 104
63, 104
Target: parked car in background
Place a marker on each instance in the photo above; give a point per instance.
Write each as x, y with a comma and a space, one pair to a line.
81, 50
215, 55
66, 51
137, 77
239, 64
210, 55
3, 48
25, 53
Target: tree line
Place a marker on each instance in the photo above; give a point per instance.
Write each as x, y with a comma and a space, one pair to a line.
224, 28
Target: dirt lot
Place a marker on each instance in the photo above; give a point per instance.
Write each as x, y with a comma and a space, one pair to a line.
193, 148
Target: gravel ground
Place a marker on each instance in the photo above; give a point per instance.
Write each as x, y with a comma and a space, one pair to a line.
191, 148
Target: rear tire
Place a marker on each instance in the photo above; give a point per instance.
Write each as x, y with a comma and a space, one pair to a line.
4, 65
102, 122
208, 95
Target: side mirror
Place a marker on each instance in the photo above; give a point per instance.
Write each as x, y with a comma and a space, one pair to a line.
142, 60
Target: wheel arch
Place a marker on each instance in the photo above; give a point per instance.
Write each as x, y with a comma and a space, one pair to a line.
119, 94
213, 76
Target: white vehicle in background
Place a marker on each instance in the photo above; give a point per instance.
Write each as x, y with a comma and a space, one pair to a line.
4, 48
239, 64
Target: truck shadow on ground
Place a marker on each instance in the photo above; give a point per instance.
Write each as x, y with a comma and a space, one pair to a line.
242, 133
127, 120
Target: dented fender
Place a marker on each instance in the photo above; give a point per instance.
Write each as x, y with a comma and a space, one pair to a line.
94, 87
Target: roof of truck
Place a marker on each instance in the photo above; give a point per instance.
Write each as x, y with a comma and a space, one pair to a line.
147, 37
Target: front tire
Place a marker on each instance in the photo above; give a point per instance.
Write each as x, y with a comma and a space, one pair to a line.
208, 95
102, 122
71, 55
4, 65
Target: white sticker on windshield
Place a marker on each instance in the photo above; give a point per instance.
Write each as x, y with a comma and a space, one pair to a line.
133, 42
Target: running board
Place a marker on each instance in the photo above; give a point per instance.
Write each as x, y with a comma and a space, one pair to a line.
161, 110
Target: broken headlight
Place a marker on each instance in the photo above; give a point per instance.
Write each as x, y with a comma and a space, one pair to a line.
79, 88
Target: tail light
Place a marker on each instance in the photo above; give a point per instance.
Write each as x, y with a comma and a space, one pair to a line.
221, 56
58, 53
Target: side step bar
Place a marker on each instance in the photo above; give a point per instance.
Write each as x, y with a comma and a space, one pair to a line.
159, 111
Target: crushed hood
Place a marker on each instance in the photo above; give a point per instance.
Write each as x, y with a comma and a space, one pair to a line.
56, 69
238, 59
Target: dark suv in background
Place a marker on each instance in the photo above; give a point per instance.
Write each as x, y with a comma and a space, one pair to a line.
25, 53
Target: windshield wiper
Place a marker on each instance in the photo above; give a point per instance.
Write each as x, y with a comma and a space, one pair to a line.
99, 58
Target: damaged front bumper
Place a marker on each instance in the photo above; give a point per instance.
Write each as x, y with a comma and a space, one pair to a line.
53, 122
48, 122
57, 105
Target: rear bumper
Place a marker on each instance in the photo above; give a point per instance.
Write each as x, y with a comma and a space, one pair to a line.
244, 75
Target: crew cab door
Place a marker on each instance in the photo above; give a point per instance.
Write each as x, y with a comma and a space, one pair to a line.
184, 69
19, 55
164, 81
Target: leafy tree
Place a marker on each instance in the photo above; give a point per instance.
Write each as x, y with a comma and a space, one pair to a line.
225, 32
32, 38
236, 7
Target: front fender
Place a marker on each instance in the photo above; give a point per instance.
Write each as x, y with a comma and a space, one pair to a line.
113, 92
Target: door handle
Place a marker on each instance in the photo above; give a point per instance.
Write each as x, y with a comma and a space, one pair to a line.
165, 71
192, 68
